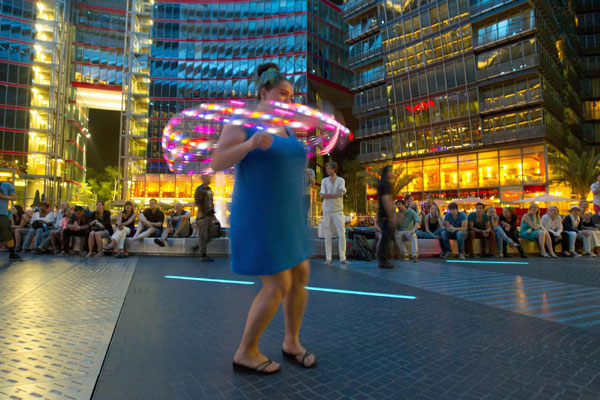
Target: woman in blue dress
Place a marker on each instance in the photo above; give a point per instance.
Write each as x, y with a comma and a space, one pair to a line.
269, 233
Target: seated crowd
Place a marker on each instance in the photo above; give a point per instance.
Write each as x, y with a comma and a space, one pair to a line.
495, 232
42, 230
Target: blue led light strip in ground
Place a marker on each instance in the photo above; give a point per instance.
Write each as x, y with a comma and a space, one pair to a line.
190, 278
487, 262
395, 296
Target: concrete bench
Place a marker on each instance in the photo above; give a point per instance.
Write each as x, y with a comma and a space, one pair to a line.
220, 246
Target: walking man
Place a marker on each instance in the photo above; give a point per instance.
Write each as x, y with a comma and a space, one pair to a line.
386, 217
333, 189
7, 192
206, 213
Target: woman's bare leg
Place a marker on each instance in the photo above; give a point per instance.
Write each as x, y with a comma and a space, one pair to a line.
91, 241
541, 237
275, 288
294, 305
100, 242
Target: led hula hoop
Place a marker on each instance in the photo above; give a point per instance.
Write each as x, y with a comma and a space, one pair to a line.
190, 138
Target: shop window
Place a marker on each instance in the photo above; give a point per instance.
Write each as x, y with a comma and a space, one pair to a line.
468, 170
431, 174
448, 173
511, 169
488, 169
415, 168
534, 167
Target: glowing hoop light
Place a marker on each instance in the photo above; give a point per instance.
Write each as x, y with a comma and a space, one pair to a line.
190, 138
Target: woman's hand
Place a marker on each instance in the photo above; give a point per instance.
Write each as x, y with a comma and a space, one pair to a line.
261, 140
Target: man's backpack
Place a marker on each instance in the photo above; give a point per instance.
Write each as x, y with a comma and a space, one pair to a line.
215, 228
360, 249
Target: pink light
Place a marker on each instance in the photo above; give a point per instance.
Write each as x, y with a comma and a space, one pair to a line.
283, 112
237, 103
205, 129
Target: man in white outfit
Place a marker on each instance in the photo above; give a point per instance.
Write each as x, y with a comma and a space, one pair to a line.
333, 189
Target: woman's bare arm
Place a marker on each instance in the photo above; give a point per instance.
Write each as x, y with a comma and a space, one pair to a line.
233, 146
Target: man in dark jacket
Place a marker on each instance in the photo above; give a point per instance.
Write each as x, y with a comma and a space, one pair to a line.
78, 225
572, 223
206, 212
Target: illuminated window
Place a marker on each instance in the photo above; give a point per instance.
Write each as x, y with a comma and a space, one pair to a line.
534, 165
448, 173
511, 169
467, 165
488, 168
431, 174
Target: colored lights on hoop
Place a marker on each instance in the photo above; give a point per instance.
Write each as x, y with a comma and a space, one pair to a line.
190, 138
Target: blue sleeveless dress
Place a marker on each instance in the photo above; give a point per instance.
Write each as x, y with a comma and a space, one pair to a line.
269, 231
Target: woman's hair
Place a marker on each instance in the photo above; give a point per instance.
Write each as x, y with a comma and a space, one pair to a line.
20, 211
268, 76
552, 208
511, 210
537, 212
128, 203
99, 202
435, 207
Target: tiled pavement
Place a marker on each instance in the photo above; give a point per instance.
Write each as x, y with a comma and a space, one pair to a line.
57, 316
564, 302
174, 339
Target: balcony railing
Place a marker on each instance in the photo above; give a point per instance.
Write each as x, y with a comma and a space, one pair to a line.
507, 67
362, 31
365, 55
356, 5
513, 135
373, 131
502, 33
361, 81
369, 106
485, 5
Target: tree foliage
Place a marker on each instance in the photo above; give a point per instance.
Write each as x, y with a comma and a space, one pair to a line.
578, 167
355, 200
104, 184
399, 181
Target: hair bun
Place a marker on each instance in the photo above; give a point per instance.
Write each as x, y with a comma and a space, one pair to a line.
265, 67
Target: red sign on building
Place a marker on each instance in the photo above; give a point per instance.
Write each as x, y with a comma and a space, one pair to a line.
419, 107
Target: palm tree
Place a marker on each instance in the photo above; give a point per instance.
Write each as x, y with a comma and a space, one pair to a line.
578, 167
399, 180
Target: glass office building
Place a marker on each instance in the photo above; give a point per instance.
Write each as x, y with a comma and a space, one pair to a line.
467, 95
148, 59
41, 147
588, 28
206, 51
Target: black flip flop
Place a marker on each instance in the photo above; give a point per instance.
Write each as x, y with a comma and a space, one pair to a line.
294, 357
258, 370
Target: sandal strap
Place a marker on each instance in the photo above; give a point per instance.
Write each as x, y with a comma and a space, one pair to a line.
306, 354
262, 366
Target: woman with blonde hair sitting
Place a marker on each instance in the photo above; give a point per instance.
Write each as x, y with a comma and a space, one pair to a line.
553, 223
532, 229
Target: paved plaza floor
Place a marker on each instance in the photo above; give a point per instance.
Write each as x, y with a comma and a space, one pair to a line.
73, 328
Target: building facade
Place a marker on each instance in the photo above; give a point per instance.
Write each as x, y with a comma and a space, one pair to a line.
43, 131
148, 60
588, 29
470, 96
206, 51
